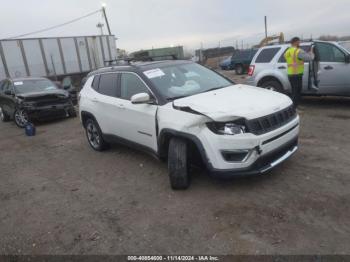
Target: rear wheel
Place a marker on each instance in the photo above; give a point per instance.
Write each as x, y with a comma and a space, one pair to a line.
94, 135
21, 118
272, 85
178, 165
239, 69
3, 115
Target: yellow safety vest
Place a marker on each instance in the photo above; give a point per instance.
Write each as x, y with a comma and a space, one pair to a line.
295, 65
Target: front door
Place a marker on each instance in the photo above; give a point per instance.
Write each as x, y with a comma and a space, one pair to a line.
138, 121
334, 70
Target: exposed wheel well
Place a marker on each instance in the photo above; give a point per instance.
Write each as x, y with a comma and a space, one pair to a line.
195, 152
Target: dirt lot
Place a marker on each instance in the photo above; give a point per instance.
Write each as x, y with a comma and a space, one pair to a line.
57, 196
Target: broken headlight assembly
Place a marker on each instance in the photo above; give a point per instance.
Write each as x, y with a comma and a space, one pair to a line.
236, 127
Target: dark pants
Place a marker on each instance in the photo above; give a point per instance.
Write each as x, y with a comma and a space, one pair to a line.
296, 82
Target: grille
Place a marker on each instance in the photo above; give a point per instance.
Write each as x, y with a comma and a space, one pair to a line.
49, 102
271, 122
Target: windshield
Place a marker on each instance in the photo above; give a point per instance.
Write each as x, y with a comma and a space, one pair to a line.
185, 80
29, 86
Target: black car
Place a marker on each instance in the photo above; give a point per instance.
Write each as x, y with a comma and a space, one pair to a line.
27, 99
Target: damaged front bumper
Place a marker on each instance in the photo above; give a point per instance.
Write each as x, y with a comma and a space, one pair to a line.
47, 111
262, 165
248, 154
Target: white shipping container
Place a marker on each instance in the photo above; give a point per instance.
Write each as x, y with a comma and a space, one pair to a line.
55, 56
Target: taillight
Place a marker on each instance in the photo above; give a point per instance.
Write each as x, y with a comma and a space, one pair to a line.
251, 70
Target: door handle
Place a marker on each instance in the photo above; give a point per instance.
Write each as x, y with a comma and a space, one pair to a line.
328, 67
282, 67
94, 100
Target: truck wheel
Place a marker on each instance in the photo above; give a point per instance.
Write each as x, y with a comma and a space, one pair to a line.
178, 164
3, 115
94, 135
272, 85
21, 118
239, 69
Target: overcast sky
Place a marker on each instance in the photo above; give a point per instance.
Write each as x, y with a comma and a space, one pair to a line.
157, 23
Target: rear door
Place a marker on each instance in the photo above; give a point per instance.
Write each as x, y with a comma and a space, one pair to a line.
106, 105
334, 70
138, 121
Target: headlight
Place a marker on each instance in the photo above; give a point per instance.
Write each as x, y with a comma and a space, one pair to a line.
230, 128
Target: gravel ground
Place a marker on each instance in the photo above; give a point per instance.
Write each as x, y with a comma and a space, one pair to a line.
58, 196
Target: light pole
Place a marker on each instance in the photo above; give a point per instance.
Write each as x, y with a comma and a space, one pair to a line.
105, 16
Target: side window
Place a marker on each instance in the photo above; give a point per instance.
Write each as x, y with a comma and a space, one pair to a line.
108, 84
1, 86
266, 55
5, 86
96, 82
330, 53
130, 85
306, 48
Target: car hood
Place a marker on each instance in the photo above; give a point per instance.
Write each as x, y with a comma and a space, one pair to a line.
43, 94
235, 101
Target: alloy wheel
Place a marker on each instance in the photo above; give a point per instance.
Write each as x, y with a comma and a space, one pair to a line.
21, 118
93, 135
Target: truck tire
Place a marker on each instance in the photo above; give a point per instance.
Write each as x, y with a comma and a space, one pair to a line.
239, 69
94, 135
273, 85
178, 164
4, 117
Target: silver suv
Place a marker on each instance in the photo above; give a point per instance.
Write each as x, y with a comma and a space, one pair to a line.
329, 74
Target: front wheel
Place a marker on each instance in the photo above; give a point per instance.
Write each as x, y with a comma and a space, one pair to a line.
21, 118
72, 112
178, 164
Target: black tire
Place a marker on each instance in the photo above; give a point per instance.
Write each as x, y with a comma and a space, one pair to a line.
178, 165
273, 85
239, 69
72, 112
20, 117
4, 117
94, 135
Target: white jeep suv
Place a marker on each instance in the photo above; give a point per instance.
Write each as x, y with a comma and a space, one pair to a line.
185, 113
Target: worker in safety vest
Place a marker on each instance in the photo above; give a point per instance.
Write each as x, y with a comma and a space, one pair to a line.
295, 58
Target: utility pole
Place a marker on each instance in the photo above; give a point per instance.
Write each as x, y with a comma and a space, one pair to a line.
106, 19
265, 26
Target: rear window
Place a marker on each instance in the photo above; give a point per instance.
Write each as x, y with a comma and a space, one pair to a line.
95, 82
266, 55
306, 48
108, 84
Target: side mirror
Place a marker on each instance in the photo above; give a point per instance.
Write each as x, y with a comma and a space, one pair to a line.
8, 92
141, 98
66, 87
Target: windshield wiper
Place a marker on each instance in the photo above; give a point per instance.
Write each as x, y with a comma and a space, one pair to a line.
174, 98
215, 88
